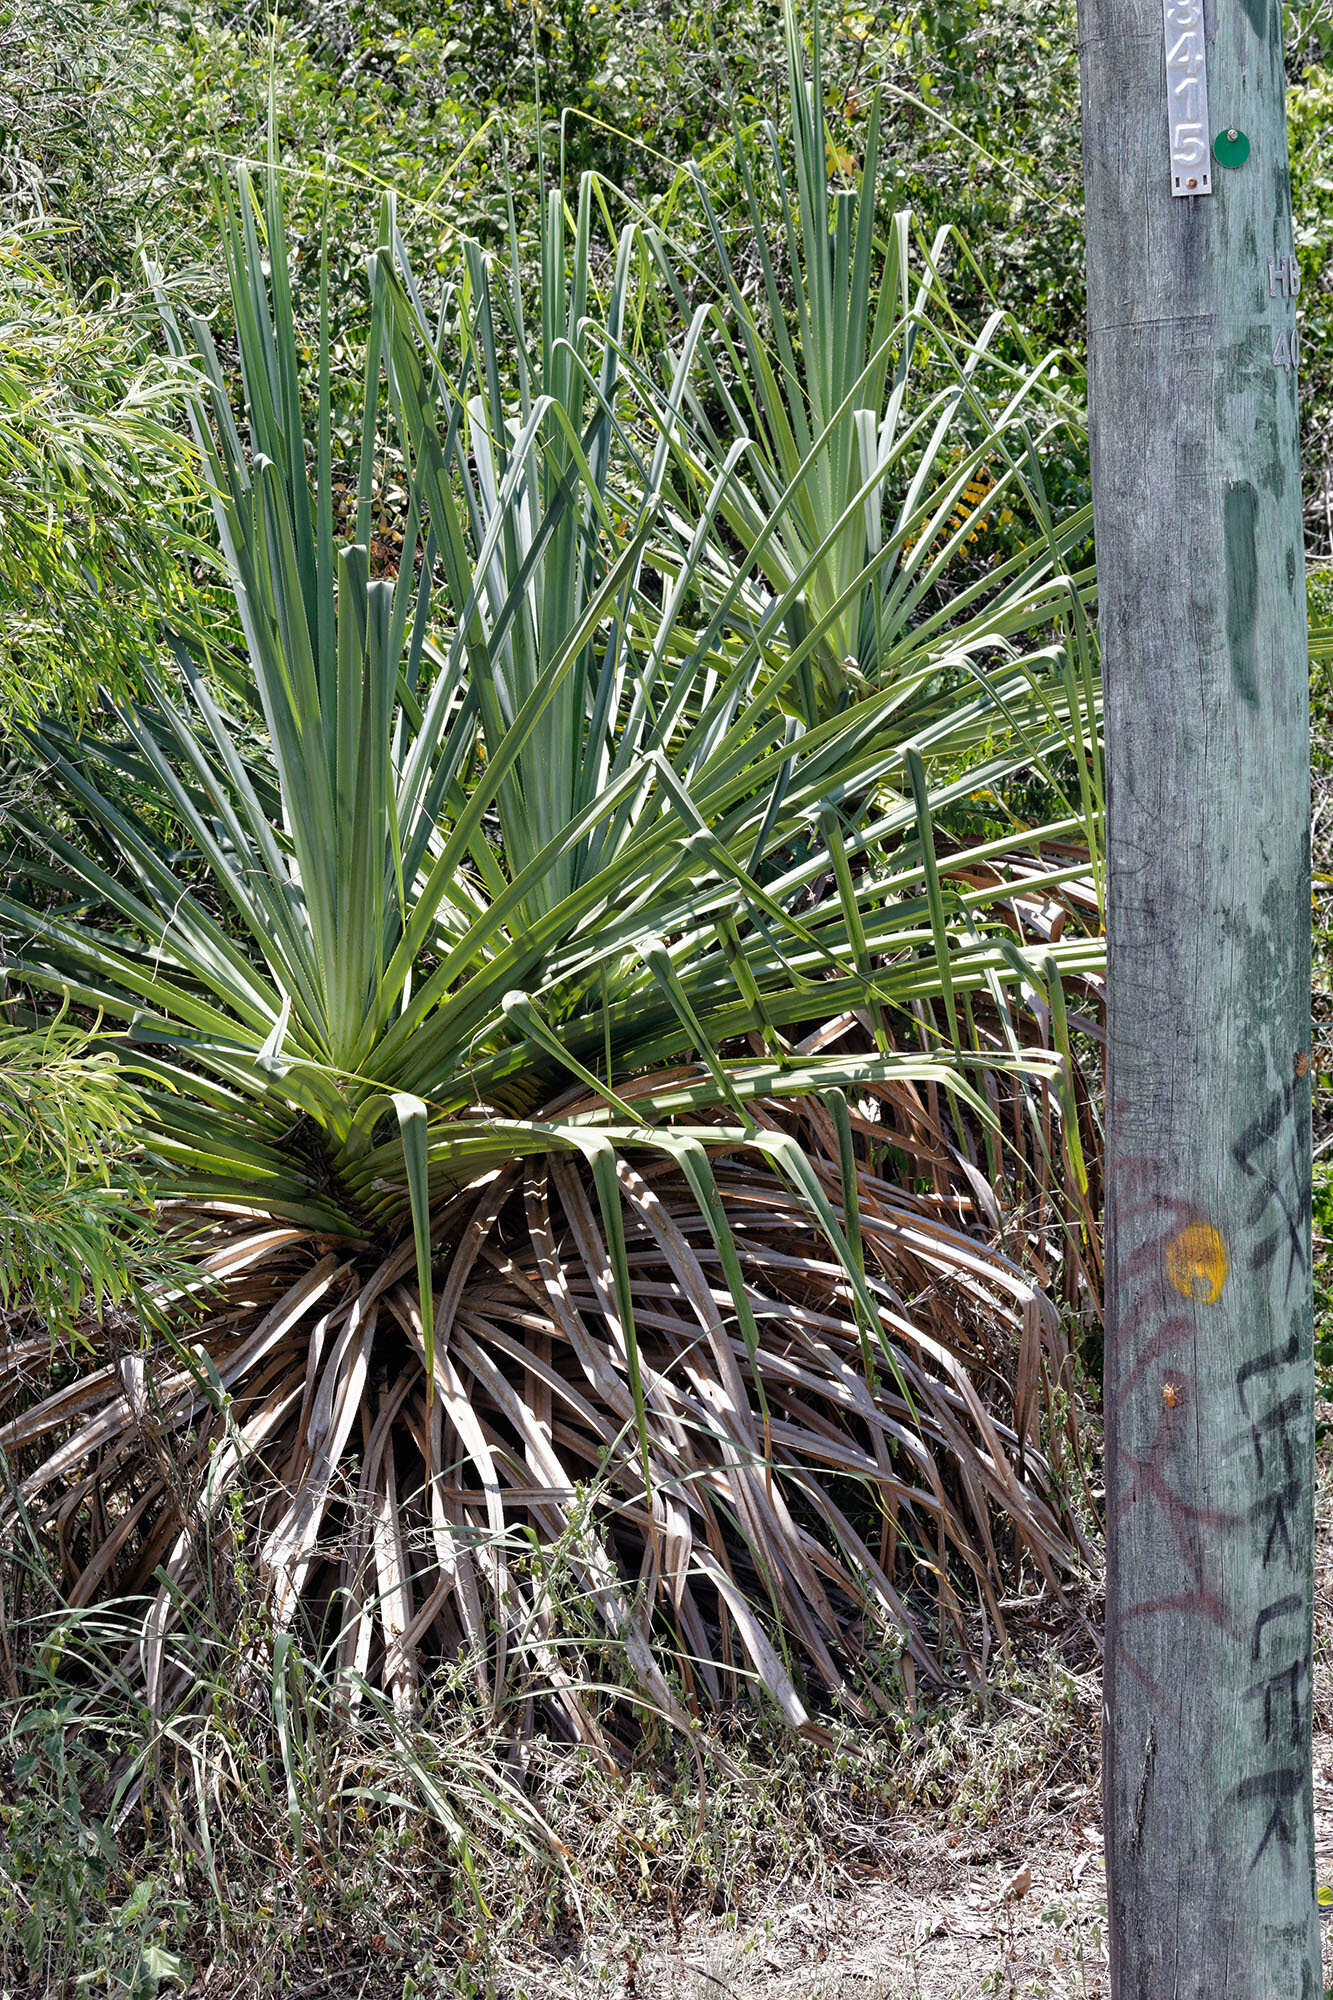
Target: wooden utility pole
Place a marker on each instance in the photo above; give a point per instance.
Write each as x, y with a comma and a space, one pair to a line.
1192, 317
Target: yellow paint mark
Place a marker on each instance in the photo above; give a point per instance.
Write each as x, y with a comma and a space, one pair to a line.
1197, 1263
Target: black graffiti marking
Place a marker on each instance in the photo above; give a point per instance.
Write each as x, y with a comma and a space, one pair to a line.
1290, 1229
1278, 1788
1263, 1128
1282, 1415
1286, 1685
1294, 1215
1291, 1606
1287, 1499
1264, 1364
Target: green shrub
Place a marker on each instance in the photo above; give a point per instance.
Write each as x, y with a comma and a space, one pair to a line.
74, 1241
97, 491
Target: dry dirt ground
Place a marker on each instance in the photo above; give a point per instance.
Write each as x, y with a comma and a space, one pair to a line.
1016, 1908
938, 1923
970, 1924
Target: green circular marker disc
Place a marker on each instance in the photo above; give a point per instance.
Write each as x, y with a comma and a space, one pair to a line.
1231, 148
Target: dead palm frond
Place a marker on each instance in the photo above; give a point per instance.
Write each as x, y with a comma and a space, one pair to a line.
845, 1479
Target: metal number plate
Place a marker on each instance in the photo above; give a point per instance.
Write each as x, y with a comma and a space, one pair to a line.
1187, 97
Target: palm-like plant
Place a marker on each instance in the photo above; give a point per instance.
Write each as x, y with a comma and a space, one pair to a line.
518, 997
870, 440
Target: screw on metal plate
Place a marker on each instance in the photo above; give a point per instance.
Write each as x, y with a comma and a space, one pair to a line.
1231, 148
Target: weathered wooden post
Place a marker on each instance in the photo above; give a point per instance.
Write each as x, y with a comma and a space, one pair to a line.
1192, 316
